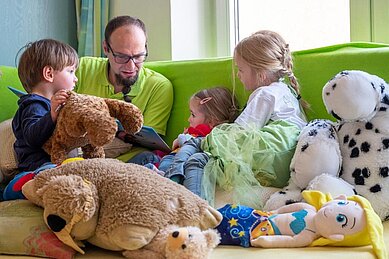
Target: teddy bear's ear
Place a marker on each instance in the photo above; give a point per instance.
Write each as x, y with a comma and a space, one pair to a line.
68, 195
67, 200
212, 237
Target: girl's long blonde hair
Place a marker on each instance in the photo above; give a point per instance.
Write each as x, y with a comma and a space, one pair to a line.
267, 52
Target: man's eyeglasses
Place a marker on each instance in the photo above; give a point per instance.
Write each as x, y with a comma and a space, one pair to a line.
123, 59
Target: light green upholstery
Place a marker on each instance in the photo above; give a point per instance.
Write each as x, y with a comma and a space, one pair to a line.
313, 68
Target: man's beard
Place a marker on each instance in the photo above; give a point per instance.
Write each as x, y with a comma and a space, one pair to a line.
126, 82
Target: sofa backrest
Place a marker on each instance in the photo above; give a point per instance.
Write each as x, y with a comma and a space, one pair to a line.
313, 68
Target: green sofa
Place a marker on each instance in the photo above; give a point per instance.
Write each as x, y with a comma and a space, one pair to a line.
313, 68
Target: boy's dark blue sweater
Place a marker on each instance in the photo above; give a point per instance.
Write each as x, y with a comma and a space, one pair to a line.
32, 126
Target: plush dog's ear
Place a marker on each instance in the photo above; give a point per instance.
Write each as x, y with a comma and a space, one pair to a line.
128, 114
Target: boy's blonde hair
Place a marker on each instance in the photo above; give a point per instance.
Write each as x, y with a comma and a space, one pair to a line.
42, 53
218, 105
266, 51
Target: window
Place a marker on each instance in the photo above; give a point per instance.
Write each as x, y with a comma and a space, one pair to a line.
304, 24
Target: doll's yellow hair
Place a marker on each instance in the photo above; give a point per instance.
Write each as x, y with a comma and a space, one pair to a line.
371, 235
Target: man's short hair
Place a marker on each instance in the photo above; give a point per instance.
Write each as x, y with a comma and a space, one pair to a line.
120, 21
42, 53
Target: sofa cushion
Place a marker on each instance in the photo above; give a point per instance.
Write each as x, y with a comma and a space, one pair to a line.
9, 101
8, 164
23, 232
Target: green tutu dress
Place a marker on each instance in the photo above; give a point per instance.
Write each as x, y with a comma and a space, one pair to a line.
244, 160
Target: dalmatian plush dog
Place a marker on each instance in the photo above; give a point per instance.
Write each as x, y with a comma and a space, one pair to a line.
315, 165
360, 102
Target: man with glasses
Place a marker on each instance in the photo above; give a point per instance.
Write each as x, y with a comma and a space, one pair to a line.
122, 76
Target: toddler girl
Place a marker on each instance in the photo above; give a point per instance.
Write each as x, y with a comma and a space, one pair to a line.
208, 108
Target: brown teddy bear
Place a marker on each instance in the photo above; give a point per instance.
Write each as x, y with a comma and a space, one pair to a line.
89, 122
114, 205
174, 242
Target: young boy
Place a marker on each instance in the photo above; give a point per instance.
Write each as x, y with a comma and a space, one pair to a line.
46, 70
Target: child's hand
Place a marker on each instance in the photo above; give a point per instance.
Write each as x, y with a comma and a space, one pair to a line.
175, 144
57, 101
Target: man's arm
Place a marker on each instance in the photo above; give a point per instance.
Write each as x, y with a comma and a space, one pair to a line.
157, 111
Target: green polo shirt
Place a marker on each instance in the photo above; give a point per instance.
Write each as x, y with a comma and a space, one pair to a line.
152, 93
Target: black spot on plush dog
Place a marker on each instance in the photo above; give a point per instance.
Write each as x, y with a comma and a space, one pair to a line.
369, 125
352, 143
385, 142
384, 171
375, 188
365, 147
346, 139
354, 152
304, 147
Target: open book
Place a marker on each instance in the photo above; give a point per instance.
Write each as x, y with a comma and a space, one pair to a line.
147, 137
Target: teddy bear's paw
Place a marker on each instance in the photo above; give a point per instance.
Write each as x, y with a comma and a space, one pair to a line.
210, 219
287, 195
326, 183
132, 237
90, 151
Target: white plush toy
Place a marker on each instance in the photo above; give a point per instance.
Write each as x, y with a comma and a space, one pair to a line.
315, 165
360, 102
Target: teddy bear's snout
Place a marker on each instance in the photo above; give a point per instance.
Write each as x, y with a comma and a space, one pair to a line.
56, 223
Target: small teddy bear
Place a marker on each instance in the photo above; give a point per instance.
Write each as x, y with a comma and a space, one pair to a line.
174, 242
89, 122
360, 102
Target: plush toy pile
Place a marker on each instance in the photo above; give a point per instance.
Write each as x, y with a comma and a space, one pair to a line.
359, 101
89, 122
115, 205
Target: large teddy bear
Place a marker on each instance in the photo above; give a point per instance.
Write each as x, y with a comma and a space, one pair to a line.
114, 205
89, 122
360, 102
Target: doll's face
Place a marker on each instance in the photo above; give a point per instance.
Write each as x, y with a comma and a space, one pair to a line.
340, 217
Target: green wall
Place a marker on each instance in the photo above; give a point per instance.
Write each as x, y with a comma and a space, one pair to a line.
23, 21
